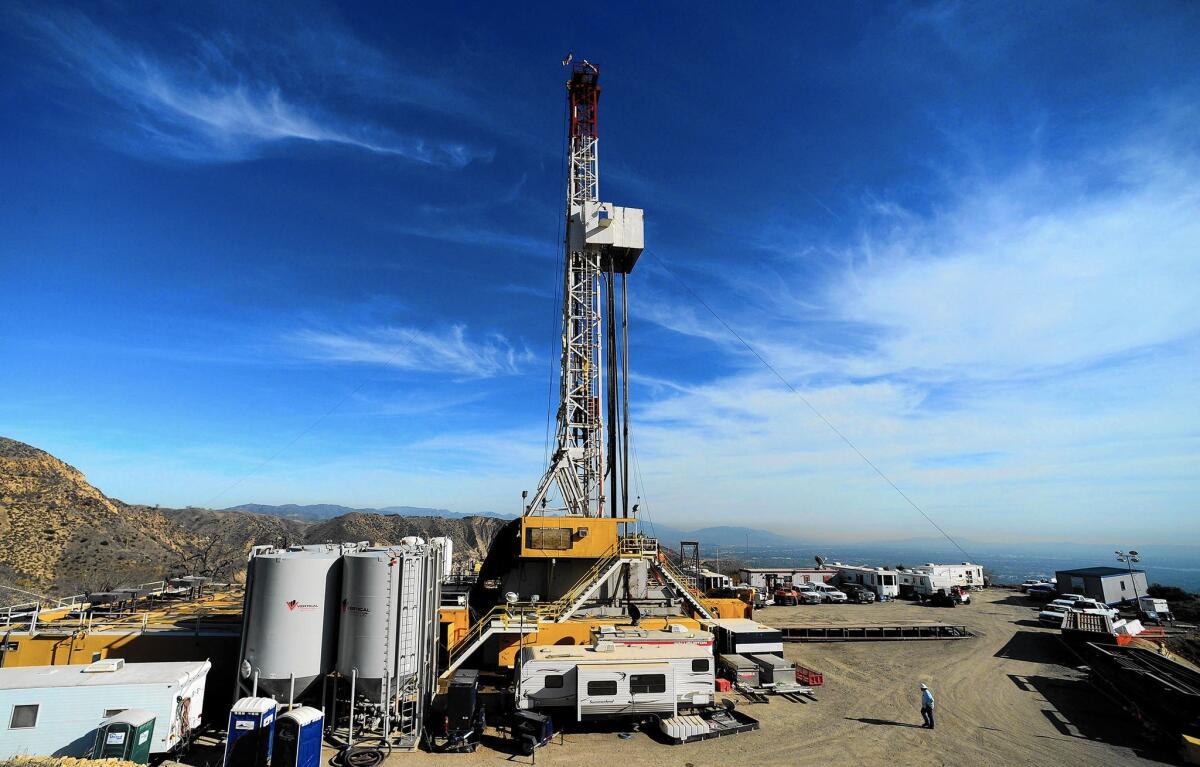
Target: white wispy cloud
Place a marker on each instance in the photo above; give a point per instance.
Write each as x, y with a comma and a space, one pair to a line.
199, 105
1045, 321
409, 348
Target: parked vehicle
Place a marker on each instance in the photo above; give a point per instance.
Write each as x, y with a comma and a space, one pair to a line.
1053, 614
786, 598
1067, 603
1071, 597
1042, 591
825, 592
1152, 610
1098, 608
939, 598
1026, 585
858, 593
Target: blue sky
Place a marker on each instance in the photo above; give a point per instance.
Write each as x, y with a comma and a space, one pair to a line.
969, 234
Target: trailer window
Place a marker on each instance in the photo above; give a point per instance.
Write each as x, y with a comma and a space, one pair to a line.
641, 684
700, 664
555, 538
23, 717
554, 681
602, 687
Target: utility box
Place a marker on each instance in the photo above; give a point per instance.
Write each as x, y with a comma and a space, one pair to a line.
251, 732
298, 738
617, 233
126, 735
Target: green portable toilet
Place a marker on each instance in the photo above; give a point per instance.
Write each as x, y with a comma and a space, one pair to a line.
126, 735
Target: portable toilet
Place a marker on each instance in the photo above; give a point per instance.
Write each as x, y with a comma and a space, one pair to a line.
126, 735
251, 730
298, 738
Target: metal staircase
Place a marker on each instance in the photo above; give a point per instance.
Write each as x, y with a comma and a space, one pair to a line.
682, 584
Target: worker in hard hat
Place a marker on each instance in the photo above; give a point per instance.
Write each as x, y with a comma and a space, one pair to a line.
926, 706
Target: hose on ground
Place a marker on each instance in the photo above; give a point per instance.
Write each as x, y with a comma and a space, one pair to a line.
366, 754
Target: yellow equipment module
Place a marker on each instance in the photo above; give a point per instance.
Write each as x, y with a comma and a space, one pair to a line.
569, 537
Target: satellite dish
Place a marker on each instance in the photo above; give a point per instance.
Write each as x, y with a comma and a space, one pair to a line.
820, 560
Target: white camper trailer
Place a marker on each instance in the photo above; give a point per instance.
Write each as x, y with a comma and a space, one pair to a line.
883, 581
55, 710
607, 680
964, 574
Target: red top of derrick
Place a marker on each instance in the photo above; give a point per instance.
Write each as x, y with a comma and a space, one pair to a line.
583, 91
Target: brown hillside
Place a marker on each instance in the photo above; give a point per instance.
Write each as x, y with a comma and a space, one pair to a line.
59, 535
55, 527
472, 536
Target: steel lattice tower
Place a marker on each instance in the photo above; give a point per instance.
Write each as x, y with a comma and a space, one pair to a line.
602, 240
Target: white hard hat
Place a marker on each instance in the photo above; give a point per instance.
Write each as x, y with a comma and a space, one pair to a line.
923, 687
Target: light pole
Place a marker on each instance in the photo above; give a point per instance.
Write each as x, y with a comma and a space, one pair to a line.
1129, 558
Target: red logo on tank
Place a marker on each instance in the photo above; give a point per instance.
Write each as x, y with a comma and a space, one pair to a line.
292, 604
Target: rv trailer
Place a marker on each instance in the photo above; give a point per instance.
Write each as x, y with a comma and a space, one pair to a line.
883, 581
606, 680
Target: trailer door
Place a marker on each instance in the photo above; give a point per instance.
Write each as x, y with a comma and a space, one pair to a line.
603, 689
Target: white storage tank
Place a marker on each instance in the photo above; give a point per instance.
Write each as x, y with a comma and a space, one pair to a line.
289, 624
389, 606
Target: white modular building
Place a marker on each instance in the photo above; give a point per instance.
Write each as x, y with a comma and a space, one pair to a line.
607, 680
55, 710
883, 581
769, 579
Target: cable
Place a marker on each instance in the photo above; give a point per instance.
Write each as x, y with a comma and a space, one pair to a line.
641, 483
804, 399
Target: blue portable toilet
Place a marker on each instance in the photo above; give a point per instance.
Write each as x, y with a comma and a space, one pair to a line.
251, 731
298, 738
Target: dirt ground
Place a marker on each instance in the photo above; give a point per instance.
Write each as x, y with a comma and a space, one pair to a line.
1003, 698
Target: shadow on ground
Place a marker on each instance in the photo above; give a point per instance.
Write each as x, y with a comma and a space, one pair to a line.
1035, 647
885, 722
1075, 710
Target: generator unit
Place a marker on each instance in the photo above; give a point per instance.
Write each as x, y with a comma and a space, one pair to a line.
126, 735
298, 738
251, 732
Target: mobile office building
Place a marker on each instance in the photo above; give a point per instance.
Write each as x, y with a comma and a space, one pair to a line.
606, 680
884, 582
1110, 585
771, 578
744, 636
963, 574
55, 710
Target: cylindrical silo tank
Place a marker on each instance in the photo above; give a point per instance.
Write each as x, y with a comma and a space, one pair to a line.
289, 629
384, 615
367, 634
447, 555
